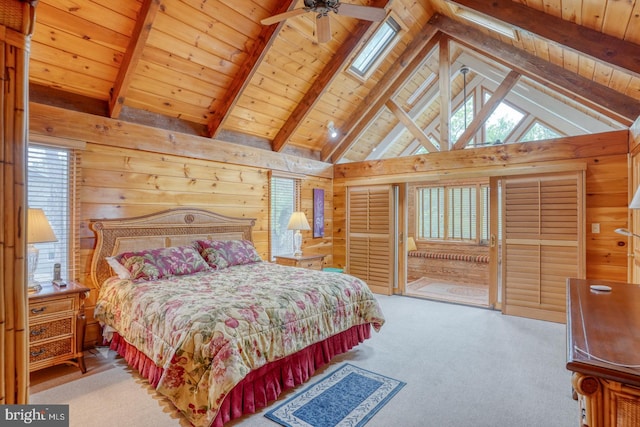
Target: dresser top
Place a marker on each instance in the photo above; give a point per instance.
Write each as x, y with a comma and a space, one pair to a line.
603, 330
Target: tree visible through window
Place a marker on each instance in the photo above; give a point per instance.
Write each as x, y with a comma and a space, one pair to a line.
539, 132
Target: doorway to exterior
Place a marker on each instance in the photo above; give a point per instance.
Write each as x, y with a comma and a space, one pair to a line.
459, 293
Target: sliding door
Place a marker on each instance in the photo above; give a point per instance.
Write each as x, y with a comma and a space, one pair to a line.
371, 237
543, 243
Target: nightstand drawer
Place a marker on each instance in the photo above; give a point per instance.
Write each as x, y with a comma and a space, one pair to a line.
51, 349
56, 328
311, 264
42, 308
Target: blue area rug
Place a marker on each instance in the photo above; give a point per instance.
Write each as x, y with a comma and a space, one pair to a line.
349, 397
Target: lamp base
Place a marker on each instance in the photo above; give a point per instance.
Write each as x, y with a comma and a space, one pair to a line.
297, 243
34, 287
32, 263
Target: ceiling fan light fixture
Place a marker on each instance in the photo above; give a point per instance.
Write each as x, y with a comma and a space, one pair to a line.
331, 128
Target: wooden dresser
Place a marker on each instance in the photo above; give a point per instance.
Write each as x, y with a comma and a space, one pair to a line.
603, 351
56, 326
312, 262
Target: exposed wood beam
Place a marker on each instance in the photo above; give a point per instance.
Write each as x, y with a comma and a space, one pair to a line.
320, 85
445, 94
247, 70
54, 122
147, 14
601, 98
411, 125
486, 161
393, 79
489, 107
611, 50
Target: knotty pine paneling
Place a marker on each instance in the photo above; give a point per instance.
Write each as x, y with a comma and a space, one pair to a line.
605, 157
119, 182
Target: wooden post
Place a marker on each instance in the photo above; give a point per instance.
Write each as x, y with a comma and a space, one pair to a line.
16, 24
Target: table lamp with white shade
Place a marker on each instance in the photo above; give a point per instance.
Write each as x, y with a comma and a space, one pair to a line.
411, 244
297, 222
38, 231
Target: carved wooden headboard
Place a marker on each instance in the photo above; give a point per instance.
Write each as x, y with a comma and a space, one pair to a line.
174, 227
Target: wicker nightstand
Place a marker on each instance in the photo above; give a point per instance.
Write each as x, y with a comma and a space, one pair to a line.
56, 326
312, 262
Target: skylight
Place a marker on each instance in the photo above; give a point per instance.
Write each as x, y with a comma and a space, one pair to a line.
485, 21
375, 47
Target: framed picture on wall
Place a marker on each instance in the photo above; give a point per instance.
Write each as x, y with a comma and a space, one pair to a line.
318, 212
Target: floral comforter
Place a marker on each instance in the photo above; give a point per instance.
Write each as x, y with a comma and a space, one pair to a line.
209, 330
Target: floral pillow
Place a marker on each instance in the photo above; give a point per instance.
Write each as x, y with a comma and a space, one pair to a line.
221, 254
153, 264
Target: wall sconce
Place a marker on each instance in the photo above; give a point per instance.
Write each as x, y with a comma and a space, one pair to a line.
38, 231
297, 222
331, 128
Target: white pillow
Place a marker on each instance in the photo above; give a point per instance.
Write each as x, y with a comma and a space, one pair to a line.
118, 268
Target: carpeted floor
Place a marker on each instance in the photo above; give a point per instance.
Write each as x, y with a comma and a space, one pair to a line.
464, 367
451, 292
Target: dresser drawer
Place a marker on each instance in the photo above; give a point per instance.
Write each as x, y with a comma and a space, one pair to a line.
55, 328
51, 349
41, 308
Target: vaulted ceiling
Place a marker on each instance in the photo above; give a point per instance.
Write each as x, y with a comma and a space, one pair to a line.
210, 68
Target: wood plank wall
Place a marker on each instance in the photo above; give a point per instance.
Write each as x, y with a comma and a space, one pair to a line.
605, 156
119, 181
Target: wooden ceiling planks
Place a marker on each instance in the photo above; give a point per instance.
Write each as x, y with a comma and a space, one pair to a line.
213, 63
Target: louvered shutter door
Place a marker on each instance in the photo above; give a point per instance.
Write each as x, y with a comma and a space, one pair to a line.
369, 243
542, 225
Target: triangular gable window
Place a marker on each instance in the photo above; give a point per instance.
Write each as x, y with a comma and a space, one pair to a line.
539, 132
501, 123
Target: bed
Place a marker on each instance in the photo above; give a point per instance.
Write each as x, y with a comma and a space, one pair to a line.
186, 300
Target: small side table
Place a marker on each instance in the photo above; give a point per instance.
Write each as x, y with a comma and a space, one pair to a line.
311, 262
56, 326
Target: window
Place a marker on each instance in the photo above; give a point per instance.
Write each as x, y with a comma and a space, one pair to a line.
375, 47
459, 122
501, 122
455, 213
284, 195
50, 186
539, 132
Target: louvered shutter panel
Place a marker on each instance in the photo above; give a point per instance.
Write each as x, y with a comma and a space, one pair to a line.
369, 243
542, 244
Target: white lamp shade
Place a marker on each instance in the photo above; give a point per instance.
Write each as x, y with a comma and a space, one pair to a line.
635, 202
298, 221
38, 227
411, 244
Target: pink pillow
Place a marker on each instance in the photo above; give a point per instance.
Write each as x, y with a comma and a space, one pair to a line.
221, 254
153, 264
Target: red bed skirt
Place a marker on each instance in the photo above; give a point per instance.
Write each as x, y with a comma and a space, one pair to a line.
265, 384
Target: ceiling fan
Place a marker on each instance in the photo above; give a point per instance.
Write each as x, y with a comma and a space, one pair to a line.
322, 9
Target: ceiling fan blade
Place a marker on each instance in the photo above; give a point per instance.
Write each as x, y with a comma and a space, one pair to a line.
368, 13
323, 22
282, 16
